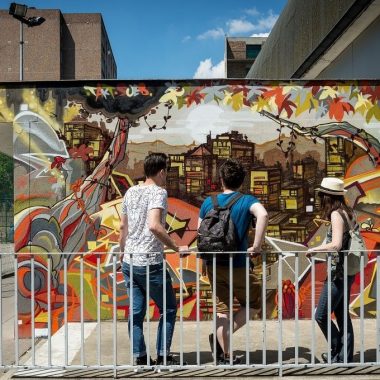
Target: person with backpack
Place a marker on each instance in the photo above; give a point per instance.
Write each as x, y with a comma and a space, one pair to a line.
223, 225
341, 218
142, 240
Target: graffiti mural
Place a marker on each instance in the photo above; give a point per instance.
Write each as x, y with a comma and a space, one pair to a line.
79, 146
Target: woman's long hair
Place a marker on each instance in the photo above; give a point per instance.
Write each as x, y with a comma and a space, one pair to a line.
330, 203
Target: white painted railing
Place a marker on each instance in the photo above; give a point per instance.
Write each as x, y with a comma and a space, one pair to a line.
112, 361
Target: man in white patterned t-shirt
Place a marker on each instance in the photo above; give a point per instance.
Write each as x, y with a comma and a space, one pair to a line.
142, 240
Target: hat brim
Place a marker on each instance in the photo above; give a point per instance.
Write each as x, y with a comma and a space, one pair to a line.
331, 192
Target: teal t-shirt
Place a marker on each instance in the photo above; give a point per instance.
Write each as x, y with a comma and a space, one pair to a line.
241, 216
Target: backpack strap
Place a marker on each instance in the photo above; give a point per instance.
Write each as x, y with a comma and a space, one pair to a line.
350, 226
232, 201
215, 204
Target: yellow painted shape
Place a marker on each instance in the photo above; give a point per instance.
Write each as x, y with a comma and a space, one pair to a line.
174, 223
187, 309
42, 317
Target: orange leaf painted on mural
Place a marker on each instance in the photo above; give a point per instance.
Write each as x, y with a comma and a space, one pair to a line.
337, 108
287, 106
277, 94
195, 97
84, 152
57, 162
372, 91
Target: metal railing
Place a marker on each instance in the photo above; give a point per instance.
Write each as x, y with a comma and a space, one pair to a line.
112, 360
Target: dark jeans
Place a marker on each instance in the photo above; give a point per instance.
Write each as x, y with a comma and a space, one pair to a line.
139, 305
337, 306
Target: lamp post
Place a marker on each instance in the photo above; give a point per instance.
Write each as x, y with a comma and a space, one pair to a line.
18, 11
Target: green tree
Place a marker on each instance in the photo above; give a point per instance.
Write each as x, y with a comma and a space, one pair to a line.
6, 177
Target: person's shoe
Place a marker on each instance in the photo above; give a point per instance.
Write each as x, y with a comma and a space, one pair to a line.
169, 360
219, 350
334, 358
143, 360
225, 360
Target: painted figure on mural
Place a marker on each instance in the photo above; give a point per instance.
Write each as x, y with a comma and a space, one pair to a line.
142, 240
232, 175
341, 216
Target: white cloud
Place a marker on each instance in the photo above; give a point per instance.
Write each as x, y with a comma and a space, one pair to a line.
186, 38
265, 24
262, 25
252, 12
207, 70
239, 26
259, 35
212, 33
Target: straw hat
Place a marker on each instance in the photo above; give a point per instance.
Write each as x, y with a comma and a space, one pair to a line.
333, 186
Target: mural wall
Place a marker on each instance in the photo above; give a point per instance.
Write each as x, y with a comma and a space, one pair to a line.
79, 146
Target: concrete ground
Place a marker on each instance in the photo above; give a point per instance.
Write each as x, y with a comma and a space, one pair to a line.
204, 358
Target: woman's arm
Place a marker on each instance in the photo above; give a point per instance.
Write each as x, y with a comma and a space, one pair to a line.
337, 224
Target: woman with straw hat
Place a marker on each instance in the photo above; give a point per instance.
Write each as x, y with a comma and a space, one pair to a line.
340, 216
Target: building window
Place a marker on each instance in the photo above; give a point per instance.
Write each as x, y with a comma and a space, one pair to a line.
252, 51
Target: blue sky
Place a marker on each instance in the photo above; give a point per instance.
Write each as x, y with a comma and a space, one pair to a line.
172, 39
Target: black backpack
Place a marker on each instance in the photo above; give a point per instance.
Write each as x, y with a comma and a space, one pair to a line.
217, 231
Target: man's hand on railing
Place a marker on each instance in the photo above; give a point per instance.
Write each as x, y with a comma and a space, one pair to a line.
254, 251
310, 253
184, 250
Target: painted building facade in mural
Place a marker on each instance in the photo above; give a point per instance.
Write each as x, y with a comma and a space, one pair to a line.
79, 146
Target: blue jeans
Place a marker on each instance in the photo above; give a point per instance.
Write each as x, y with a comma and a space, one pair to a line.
337, 306
139, 305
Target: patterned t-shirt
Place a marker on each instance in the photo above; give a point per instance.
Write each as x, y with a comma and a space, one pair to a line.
138, 200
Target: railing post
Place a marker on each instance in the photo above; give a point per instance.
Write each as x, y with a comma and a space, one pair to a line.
329, 307
264, 309
279, 311
231, 307
312, 310
49, 307
98, 330
377, 308
16, 310
345, 306
147, 310
247, 308
296, 275
65, 306
1, 309
362, 308
198, 335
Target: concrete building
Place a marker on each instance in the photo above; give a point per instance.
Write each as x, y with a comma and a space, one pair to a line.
65, 46
240, 54
322, 39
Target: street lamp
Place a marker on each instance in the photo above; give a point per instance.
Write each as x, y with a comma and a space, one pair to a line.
18, 11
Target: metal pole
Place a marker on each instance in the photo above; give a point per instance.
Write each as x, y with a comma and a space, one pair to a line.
181, 309
1, 309
21, 51
296, 275
49, 308
264, 308
198, 333
313, 310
